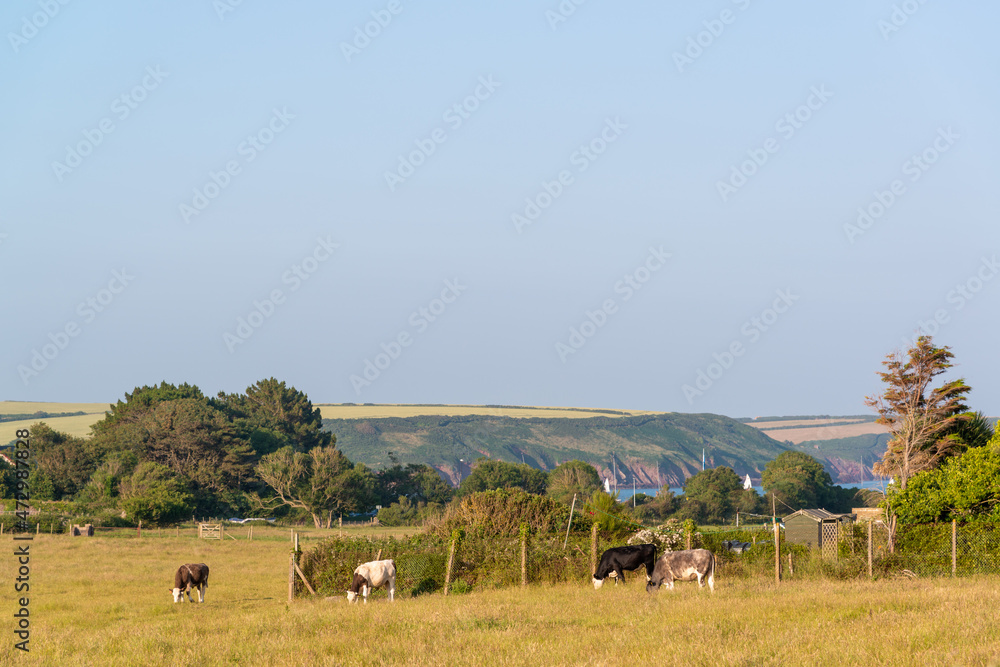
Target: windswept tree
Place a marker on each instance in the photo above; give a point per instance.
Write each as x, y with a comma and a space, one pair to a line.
321, 481
924, 422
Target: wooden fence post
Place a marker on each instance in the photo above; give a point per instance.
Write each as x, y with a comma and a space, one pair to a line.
138, 530
291, 576
455, 534
777, 553
870, 549
791, 568
593, 549
954, 547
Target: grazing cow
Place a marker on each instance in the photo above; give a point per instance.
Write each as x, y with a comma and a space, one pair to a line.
369, 576
617, 559
192, 575
683, 566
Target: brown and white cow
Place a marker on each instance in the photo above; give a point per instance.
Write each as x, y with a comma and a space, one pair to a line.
369, 576
191, 575
683, 566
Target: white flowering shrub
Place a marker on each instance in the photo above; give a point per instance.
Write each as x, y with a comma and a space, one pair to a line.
667, 536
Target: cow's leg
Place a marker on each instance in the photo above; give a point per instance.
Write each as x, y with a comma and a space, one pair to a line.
201, 592
392, 589
364, 590
619, 574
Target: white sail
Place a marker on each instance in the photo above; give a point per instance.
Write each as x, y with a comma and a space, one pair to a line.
607, 485
747, 484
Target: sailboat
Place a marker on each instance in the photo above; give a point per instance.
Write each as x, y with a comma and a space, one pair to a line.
747, 484
607, 485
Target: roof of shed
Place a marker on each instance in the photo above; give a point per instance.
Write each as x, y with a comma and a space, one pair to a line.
817, 515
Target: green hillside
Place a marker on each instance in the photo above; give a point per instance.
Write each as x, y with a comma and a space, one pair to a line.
657, 449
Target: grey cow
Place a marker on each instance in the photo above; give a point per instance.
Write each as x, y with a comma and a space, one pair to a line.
683, 566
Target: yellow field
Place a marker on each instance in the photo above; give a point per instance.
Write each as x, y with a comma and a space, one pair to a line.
340, 411
104, 601
798, 435
78, 425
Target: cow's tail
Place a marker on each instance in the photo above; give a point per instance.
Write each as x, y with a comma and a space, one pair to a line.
711, 572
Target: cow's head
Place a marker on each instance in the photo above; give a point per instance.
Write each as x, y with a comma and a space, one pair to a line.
650, 586
178, 594
597, 582
351, 596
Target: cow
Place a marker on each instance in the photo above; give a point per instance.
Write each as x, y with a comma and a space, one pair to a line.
683, 566
191, 575
372, 575
617, 559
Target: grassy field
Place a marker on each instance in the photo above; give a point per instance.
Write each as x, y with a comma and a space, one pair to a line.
352, 411
104, 601
78, 425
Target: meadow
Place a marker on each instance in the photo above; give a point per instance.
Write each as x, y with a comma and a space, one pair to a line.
105, 601
78, 425
371, 411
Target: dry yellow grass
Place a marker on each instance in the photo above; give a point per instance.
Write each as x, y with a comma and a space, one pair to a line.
800, 422
388, 410
78, 425
104, 601
798, 435
18, 407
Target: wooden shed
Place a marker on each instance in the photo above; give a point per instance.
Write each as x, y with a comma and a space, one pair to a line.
816, 528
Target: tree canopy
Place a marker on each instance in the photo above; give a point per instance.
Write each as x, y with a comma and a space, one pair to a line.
799, 481
491, 474
715, 495
321, 481
572, 478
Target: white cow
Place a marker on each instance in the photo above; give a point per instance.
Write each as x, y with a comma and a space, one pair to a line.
369, 576
683, 566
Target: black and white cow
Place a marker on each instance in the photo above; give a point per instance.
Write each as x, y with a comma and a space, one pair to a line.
191, 575
614, 561
683, 566
372, 575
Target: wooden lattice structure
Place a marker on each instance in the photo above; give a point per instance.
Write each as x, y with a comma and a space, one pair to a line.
210, 531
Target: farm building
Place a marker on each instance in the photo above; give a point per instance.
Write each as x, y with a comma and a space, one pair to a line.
816, 528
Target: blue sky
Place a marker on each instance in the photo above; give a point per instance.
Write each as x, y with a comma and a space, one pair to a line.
624, 205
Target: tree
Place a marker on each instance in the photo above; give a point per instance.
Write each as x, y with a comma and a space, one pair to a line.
799, 481
923, 422
154, 495
491, 474
712, 496
963, 487
658, 509
273, 415
321, 481
66, 461
572, 478
196, 442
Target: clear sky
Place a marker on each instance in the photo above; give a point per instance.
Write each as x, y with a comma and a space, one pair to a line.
736, 207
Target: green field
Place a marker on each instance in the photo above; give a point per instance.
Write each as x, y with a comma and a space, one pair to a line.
104, 601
